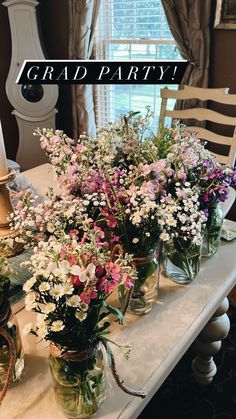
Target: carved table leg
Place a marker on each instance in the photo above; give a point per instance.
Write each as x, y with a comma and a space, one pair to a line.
208, 343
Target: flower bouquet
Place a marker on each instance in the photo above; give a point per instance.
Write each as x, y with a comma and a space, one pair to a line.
188, 208
195, 164
120, 190
11, 351
182, 223
72, 278
214, 185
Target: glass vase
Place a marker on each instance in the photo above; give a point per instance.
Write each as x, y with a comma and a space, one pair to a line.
12, 328
79, 386
212, 231
181, 260
145, 291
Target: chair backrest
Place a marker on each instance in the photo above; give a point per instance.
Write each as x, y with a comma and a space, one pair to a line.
203, 114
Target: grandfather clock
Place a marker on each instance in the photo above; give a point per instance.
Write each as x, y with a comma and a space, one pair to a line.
34, 105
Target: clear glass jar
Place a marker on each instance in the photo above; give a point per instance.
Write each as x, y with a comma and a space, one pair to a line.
145, 290
181, 260
212, 231
12, 328
79, 386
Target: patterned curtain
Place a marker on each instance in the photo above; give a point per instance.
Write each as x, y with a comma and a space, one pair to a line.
82, 20
189, 22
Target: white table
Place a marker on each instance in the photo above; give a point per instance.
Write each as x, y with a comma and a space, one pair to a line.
159, 340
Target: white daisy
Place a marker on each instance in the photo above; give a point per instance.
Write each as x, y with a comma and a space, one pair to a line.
29, 284
49, 307
83, 306
30, 298
45, 286
57, 326
56, 292
171, 222
165, 237
73, 301
68, 288
81, 315
42, 331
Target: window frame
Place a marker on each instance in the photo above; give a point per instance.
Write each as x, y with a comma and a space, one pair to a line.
104, 102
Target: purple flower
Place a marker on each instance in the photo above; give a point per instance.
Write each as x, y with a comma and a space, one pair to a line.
206, 163
206, 212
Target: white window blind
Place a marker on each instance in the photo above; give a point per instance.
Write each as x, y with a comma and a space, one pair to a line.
137, 30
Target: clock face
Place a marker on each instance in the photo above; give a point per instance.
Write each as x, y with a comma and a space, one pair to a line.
32, 93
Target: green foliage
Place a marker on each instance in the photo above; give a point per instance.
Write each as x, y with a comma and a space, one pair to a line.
163, 142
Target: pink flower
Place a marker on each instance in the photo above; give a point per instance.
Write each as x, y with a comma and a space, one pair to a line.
101, 283
72, 260
55, 139
150, 189
181, 175
159, 165
81, 148
75, 281
146, 169
110, 286
98, 230
113, 270
132, 190
190, 158
91, 183
127, 281
88, 295
73, 234
105, 186
100, 271
106, 285
114, 238
110, 218
19, 205
89, 187
63, 253
82, 241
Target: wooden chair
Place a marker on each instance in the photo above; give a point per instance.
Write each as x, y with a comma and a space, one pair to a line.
203, 114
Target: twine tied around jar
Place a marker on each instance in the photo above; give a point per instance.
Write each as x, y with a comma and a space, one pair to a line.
4, 317
80, 356
143, 260
119, 380
118, 249
73, 355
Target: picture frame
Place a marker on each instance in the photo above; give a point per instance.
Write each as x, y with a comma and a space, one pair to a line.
225, 16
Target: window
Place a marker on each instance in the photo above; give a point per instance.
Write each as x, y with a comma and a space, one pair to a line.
131, 29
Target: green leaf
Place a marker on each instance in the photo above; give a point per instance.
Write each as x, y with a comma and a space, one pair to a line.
103, 315
104, 326
115, 311
103, 332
